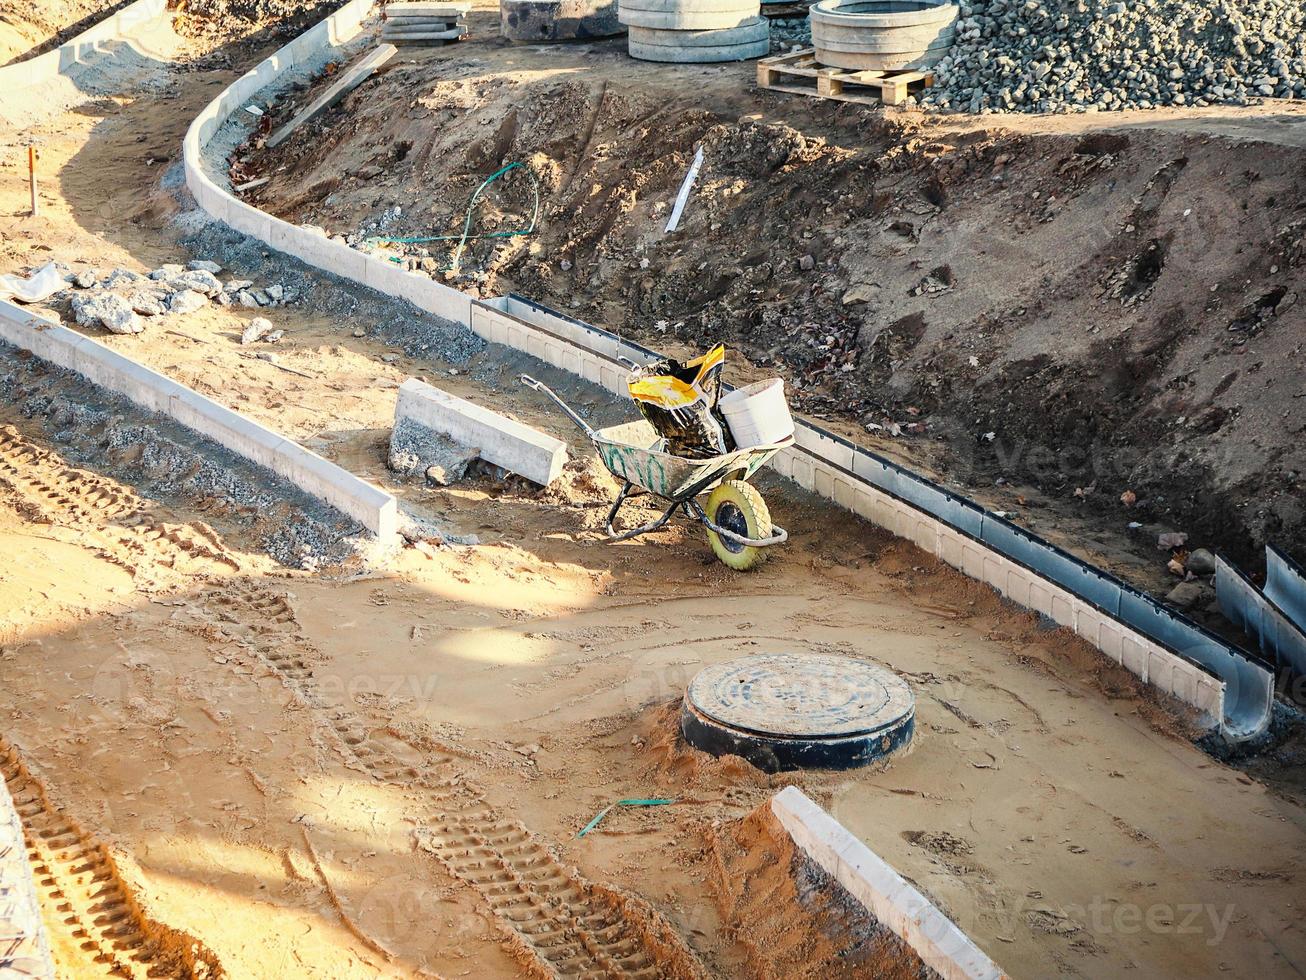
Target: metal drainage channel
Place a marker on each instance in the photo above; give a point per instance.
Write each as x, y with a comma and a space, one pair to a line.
786, 711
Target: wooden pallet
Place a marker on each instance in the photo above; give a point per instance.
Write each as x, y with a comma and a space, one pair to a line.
797, 71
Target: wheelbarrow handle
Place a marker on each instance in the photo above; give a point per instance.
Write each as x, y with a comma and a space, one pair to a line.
534, 385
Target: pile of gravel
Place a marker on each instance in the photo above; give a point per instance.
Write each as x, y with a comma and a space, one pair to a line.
789, 34
1092, 55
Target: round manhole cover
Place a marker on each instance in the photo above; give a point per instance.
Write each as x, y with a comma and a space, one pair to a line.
786, 711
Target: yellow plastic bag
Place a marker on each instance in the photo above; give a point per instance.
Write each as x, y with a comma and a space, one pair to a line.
679, 401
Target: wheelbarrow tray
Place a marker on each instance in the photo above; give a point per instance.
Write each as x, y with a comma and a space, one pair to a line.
633, 452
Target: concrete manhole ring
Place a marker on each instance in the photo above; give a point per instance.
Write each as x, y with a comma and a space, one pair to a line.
791, 711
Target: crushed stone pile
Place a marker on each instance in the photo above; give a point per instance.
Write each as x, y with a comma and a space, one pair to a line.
1091, 55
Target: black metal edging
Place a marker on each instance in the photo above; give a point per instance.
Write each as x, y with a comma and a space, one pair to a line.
1121, 614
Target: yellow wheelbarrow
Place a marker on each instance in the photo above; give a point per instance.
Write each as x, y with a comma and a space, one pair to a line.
735, 515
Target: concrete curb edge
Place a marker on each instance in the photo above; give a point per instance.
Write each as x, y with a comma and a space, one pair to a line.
371, 506
888, 896
22, 933
124, 25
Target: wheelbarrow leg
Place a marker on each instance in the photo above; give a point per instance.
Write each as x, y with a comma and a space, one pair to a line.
614, 535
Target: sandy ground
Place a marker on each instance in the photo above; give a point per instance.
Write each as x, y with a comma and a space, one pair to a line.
382, 772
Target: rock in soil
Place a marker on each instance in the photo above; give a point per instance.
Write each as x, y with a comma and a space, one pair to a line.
108, 310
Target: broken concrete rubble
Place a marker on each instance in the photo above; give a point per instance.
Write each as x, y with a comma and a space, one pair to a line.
108, 310
257, 328
148, 302
186, 301
416, 449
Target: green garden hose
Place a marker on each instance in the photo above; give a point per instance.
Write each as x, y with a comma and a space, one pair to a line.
467, 225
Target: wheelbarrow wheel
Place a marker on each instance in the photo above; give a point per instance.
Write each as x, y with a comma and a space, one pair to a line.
736, 506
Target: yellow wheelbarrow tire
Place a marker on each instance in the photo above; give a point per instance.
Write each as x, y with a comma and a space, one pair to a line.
736, 506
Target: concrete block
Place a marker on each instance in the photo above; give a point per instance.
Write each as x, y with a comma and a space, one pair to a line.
572, 361
1209, 699
1185, 681
1160, 668
1063, 607
823, 480
803, 471
952, 548
614, 379
845, 493
868, 468
994, 570
518, 335
251, 221
783, 462
1133, 655
502, 441
864, 505
489, 323
824, 445
921, 532
1110, 637
387, 277
590, 364
537, 345
884, 512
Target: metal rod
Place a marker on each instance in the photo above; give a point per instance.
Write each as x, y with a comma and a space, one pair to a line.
614, 535
534, 385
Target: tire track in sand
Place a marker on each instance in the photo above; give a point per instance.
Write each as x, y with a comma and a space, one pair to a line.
83, 895
561, 925
114, 516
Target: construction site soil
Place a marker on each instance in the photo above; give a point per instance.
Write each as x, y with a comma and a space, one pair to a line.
377, 765
1067, 311
28, 29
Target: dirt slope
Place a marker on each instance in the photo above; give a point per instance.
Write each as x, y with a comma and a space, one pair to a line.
28, 29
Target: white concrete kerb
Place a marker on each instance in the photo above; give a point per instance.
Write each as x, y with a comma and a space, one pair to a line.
23, 81
502, 441
885, 894
371, 506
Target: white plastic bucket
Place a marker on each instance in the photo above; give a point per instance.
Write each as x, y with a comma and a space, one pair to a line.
758, 414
